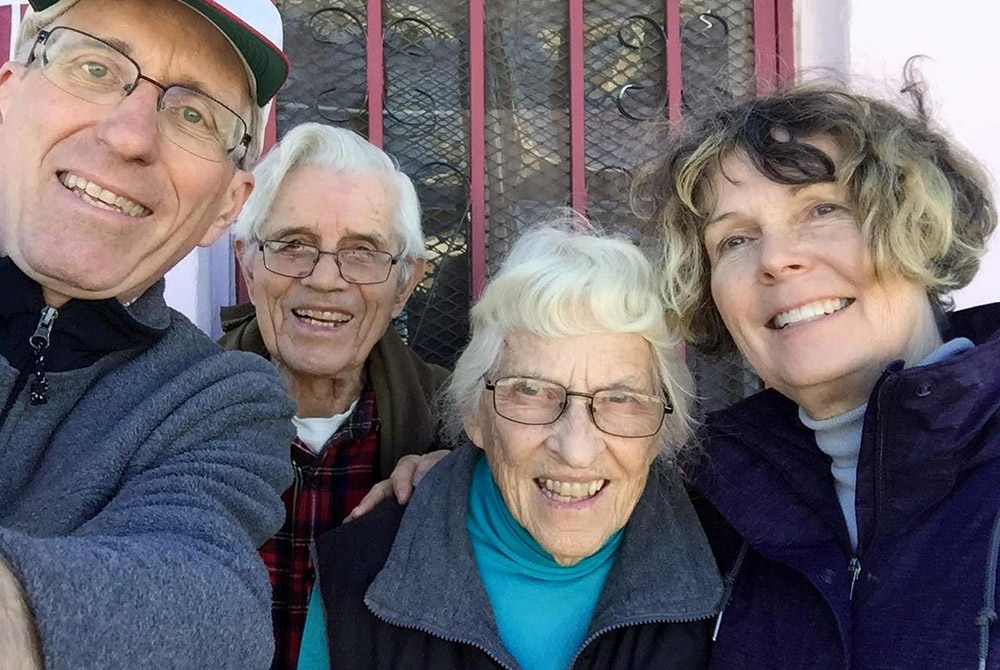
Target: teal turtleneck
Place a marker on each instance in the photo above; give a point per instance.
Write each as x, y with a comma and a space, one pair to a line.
542, 609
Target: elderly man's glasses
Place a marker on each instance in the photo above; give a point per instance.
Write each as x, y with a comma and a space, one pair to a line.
536, 402
93, 70
298, 260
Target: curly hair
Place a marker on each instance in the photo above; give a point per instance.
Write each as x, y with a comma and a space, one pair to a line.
923, 205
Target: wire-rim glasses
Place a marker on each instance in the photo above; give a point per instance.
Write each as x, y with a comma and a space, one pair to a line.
538, 402
93, 70
298, 260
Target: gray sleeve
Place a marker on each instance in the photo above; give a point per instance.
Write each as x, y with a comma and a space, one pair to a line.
167, 575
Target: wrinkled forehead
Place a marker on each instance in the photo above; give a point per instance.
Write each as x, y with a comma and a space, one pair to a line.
171, 42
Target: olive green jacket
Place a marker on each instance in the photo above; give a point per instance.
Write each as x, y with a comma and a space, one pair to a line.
404, 386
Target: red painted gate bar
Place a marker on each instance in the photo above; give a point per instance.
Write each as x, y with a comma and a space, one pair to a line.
765, 45
577, 158
11, 12
785, 33
477, 145
675, 85
375, 72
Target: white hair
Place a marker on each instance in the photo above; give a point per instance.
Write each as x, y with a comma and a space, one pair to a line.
35, 22
338, 150
563, 279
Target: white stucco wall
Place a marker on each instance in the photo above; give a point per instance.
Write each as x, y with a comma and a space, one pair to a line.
871, 40
203, 282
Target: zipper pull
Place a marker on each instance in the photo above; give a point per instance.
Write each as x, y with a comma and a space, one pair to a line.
854, 567
39, 341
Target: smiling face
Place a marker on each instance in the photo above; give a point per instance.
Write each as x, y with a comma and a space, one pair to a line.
65, 159
795, 284
320, 326
567, 483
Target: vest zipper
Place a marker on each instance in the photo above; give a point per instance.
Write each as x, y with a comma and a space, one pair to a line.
446, 638
39, 341
579, 651
627, 624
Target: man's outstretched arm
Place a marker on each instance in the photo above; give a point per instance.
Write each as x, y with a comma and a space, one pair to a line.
167, 575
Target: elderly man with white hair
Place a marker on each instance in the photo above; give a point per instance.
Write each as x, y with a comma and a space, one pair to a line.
331, 247
140, 465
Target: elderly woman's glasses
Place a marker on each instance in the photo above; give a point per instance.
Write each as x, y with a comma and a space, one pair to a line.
90, 69
298, 260
618, 412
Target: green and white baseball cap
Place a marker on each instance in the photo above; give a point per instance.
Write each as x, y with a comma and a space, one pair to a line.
254, 29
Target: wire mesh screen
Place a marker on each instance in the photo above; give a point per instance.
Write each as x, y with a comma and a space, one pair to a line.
717, 51
528, 152
527, 118
325, 41
426, 129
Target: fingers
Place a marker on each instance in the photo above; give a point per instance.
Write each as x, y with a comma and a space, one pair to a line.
403, 476
427, 462
381, 491
407, 474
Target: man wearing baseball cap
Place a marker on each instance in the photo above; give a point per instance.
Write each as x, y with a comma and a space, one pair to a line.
140, 465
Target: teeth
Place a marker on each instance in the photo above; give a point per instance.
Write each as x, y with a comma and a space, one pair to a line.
101, 197
322, 315
808, 312
571, 491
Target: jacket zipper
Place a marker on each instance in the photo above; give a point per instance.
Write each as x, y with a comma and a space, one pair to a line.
39, 341
42, 332
854, 567
729, 585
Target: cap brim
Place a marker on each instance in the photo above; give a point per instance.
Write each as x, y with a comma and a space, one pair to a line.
264, 58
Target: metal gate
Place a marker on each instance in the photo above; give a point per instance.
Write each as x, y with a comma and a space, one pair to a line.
502, 111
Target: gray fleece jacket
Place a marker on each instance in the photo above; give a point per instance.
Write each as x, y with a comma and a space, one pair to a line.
133, 500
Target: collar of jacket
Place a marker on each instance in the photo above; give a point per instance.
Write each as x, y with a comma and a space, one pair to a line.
921, 437
664, 571
404, 385
85, 330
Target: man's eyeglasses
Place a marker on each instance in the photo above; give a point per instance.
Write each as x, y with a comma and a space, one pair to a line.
90, 69
297, 259
619, 412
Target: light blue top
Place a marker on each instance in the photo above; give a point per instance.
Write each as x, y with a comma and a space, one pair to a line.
542, 609
839, 437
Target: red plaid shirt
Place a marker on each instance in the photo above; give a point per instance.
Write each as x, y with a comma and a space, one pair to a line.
326, 488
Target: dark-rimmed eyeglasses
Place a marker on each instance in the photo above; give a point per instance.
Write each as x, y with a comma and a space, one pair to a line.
90, 69
298, 260
537, 402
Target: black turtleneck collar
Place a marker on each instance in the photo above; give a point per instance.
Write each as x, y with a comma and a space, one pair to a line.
83, 332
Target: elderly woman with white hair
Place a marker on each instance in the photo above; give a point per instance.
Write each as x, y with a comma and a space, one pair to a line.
558, 533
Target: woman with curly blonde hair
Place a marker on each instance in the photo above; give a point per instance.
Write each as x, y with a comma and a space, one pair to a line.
854, 502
